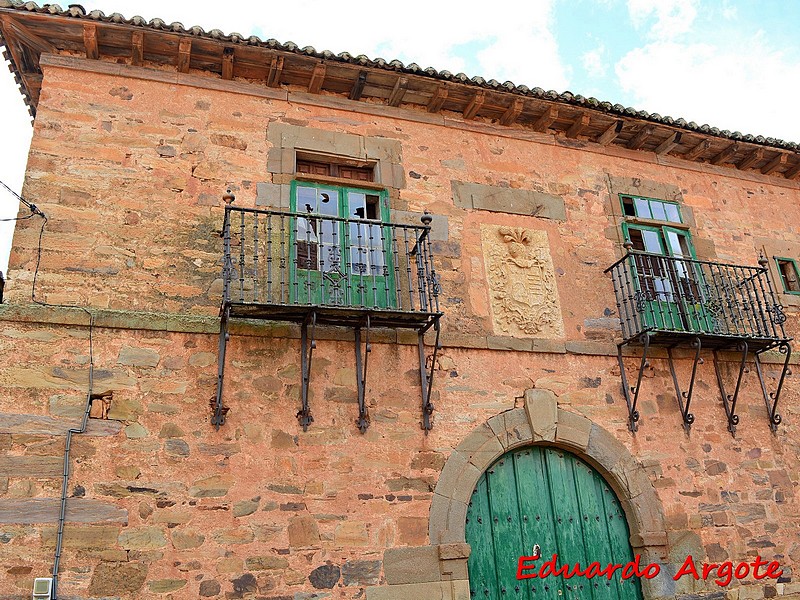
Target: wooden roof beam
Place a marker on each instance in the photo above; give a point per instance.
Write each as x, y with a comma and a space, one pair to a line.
137, 48
90, 41
399, 90
640, 138
692, 154
227, 63
475, 105
792, 172
776, 162
669, 144
751, 159
275, 71
610, 134
25, 36
317, 79
512, 112
578, 126
184, 55
726, 154
358, 86
438, 99
549, 116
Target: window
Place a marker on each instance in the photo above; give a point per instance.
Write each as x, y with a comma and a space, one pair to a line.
665, 274
649, 208
342, 249
787, 268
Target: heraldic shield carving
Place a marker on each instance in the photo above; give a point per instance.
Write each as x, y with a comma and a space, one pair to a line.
522, 286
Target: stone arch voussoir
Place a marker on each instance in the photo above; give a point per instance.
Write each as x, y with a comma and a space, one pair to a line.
541, 421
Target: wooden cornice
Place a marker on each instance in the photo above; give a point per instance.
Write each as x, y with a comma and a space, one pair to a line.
28, 34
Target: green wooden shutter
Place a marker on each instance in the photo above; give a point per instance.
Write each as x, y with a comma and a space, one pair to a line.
546, 496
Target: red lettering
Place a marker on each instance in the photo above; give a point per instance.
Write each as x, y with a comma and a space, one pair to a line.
707, 570
756, 564
609, 571
522, 566
725, 572
593, 570
551, 565
626, 570
739, 574
771, 570
688, 568
651, 571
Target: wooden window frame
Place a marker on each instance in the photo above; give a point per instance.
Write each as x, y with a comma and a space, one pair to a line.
793, 262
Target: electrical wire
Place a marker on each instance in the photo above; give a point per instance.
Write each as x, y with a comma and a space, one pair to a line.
35, 211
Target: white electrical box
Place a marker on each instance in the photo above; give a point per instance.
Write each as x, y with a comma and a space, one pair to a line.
42, 588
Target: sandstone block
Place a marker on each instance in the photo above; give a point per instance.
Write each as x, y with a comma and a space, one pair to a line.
303, 531
138, 357
114, 579
142, 538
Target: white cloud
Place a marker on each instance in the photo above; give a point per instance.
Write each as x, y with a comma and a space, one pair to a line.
595, 62
672, 17
744, 85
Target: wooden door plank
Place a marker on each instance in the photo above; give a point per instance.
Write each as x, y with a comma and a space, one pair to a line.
481, 565
597, 544
506, 526
619, 535
535, 505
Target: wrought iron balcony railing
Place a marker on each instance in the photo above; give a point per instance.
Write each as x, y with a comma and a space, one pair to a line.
282, 263
668, 301
317, 269
675, 297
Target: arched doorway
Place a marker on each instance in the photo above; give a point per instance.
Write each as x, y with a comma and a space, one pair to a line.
546, 496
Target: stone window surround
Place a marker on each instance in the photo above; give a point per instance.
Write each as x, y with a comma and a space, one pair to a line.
441, 567
772, 248
289, 140
634, 186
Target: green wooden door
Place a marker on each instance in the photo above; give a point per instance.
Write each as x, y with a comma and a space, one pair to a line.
546, 496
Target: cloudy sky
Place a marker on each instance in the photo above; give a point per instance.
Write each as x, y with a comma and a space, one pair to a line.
734, 64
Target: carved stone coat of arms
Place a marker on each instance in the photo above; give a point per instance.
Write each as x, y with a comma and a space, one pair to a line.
522, 286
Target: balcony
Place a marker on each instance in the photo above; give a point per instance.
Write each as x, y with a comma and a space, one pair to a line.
314, 269
673, 301
285, 266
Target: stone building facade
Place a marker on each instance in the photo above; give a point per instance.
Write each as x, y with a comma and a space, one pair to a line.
140, 129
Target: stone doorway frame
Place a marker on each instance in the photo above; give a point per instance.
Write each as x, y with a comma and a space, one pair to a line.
441, 567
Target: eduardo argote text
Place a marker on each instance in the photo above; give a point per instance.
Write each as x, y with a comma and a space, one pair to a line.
721, 573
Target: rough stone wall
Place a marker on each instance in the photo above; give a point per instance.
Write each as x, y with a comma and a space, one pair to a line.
161, 503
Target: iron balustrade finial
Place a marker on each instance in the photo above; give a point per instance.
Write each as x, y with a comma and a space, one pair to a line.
228, 197
426, 218
628, 245
762, 260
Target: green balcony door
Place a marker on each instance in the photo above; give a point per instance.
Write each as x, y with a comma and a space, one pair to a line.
672, 290
341, 252
545, 496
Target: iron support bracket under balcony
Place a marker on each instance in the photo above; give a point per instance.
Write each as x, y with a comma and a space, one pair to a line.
307, 345
729, 400
633, 414
219, 410
688, 417
361, 376
771, 398
426, 373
